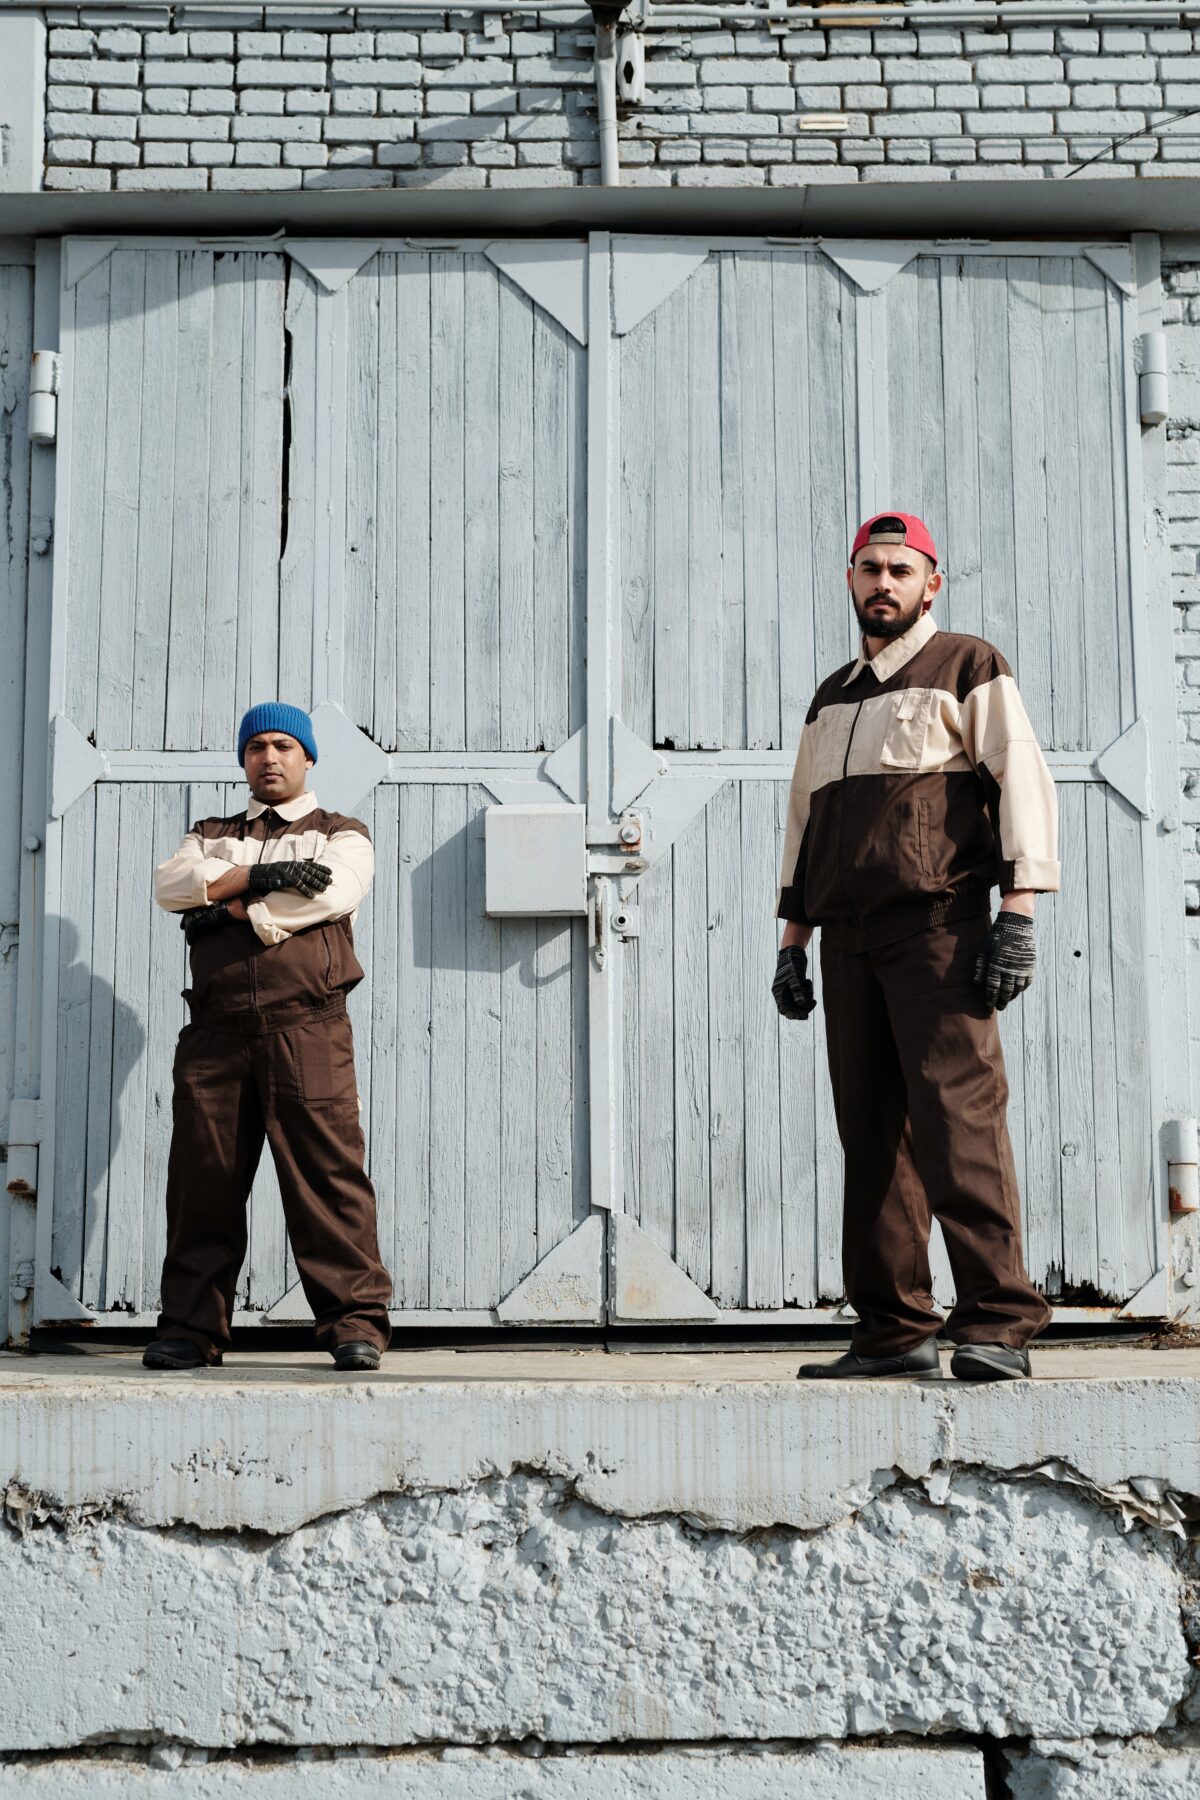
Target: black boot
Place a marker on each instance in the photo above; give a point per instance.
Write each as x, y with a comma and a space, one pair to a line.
989, 1362
177, 1353
356, 1355
922, 1359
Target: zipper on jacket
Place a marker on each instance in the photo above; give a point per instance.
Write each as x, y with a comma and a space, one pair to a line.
254, 960
842, 802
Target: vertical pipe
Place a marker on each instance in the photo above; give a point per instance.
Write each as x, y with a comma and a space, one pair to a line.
605, 65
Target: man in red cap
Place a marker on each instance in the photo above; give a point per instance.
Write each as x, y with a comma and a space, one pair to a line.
919, 785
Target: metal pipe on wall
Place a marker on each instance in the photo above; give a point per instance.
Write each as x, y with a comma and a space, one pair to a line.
604, 63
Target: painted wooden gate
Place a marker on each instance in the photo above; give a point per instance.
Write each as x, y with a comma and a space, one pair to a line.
566, 522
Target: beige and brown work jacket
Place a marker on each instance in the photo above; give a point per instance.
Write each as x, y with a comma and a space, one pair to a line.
294, 950
919, 785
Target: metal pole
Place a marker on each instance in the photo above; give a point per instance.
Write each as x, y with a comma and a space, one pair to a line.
604, 57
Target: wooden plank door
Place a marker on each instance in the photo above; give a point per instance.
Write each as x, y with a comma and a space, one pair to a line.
1008, 410
767, 402
739, 475
165, 620
438, 427
357, 481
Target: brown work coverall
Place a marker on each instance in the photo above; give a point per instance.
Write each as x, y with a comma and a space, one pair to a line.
919, 784
269, 1054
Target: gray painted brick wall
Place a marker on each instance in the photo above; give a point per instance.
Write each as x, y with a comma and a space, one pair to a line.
208, 99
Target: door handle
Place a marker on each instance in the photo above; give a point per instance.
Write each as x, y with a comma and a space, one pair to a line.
597, 924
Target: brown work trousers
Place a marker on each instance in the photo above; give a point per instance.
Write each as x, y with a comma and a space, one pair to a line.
287, 1077
920, 1092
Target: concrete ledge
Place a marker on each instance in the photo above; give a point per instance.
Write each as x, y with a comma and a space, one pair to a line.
1107, 1771
484, 1549
698, 1550
978, 208
269, 1443
826, 1772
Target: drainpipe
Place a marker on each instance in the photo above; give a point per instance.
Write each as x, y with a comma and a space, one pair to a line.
605, 64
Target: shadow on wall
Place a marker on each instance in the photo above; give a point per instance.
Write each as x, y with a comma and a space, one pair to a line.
101, 1044
448, 927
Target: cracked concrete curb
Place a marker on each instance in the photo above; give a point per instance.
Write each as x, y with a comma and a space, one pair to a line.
272, 1455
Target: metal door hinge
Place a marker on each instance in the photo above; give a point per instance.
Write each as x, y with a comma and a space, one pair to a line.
1183, 1175
1153, 398
44, 378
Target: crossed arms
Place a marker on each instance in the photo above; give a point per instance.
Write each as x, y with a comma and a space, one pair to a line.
191, 881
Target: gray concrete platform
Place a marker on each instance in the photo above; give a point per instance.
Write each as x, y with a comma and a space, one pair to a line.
273, 1440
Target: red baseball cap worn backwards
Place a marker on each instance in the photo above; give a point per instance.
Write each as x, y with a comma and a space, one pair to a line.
881, 529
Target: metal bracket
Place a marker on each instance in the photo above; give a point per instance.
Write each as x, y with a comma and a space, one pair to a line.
75, 764
1152, 1300
552, 274
331, 262
566, 1287
644, 274
646, 1284
1125, 765
290, 1308
350, 766
1114, 261
870, 263
631, 67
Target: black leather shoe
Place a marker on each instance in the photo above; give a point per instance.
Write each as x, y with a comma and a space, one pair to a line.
989, 1362
176, 1353
355, 1356
922, 1359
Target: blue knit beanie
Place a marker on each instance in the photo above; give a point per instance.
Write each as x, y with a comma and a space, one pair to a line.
276, 715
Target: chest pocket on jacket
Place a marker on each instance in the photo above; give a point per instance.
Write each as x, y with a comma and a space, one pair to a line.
833, 725
904, 733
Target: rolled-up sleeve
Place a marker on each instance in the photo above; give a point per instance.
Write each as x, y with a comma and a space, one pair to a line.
1001, 744
789, 896
350, 857
182, 881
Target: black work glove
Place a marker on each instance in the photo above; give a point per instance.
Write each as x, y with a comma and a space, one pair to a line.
1004, 967
791, 989
309, 878
201, 921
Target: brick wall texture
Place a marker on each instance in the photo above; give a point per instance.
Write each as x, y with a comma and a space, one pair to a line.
260, 99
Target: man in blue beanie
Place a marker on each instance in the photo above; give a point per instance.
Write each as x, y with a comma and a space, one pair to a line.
268, 900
